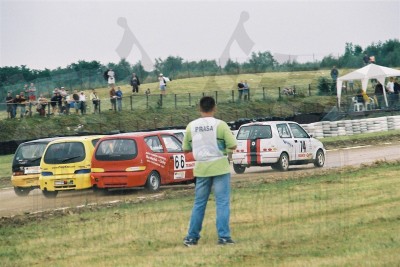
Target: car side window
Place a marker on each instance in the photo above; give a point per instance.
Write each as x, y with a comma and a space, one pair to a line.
172, 144
154, 144
283, 130
298, 131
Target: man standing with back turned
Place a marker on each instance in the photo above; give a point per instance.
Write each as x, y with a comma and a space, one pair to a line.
210, 140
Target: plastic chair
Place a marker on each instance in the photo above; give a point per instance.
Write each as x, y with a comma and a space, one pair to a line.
357, 106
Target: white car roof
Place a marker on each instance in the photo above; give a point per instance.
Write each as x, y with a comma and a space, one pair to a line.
267, 123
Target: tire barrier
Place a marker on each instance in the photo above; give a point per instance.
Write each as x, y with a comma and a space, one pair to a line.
324, 129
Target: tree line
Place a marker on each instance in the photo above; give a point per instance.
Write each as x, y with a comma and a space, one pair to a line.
85, 75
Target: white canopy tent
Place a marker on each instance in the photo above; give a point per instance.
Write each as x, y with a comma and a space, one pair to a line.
371, 71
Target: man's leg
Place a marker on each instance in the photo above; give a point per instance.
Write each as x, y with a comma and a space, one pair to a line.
222, 190
202, 192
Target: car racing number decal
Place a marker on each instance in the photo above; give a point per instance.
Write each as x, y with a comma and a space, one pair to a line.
180, 162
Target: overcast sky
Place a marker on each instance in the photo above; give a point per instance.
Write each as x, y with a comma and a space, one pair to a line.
49, 34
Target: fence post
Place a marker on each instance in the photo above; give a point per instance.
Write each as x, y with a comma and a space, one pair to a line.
147, 101
175, 101
309, 89
204, 94
216, 97
190, 100
294, 91
30, 109
160, 101
48, 109
131, 98
279, 93
263, 93
233, 96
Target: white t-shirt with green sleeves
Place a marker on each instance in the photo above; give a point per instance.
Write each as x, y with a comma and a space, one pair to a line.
209, 139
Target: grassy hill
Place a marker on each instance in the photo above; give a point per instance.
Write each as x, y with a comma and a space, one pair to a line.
179, 106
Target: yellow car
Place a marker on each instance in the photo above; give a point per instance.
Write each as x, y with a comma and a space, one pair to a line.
65, 165
25, 165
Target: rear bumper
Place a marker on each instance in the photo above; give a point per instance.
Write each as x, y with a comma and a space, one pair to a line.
28, 180
65, 182
119, 179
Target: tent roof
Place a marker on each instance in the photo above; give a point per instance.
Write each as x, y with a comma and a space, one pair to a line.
371, 71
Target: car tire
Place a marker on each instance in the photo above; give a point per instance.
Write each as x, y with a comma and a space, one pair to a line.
21, 191
283, 162
153, 182
319, 159
239, 169
50, 194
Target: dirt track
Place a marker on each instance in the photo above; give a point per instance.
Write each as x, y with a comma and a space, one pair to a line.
35, 202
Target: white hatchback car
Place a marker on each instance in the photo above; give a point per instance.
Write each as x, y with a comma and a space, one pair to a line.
277, 144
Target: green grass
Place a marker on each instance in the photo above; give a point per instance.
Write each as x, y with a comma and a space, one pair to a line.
5, 165
345, 218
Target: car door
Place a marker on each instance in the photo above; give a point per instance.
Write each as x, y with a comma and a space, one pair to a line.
302, 142
180, 165
288, 142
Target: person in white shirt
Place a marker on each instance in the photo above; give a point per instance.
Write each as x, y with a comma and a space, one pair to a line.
390, 91
111, 77
82, 100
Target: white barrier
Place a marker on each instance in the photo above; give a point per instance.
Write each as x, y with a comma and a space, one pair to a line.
349, 127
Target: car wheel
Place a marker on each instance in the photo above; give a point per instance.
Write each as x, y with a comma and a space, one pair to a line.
153, 182
319, 159
239, 169
283, 162
50, 194
22, 191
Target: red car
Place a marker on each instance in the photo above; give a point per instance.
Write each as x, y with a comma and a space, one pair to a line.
148, 159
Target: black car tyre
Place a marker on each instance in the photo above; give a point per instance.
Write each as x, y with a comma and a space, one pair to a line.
153, 182
50, 194
283, 162
21, 191
239, 169
319, 159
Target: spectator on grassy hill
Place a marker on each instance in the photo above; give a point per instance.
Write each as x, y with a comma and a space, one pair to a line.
32, 92
16, 103
163, 84
9, 103
68, 102
135, 83
113, 99
119, 94
82, 101
53, 102
211, 140
379, 94
246, 91
396, 88
390, 91
240, 87
111, 77
94, 98
334, 73
22, 104
366, 59
77, 104
42, 104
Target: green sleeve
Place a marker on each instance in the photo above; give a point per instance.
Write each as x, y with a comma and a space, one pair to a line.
187, 140
226, 134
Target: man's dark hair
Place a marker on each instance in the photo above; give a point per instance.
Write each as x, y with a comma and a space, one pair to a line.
207, 103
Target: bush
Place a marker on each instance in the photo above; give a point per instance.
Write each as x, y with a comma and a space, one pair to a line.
324, 86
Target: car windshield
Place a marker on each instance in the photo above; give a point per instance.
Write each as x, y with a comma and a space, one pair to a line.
116, 149
63, 153
31, 153
254, 132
